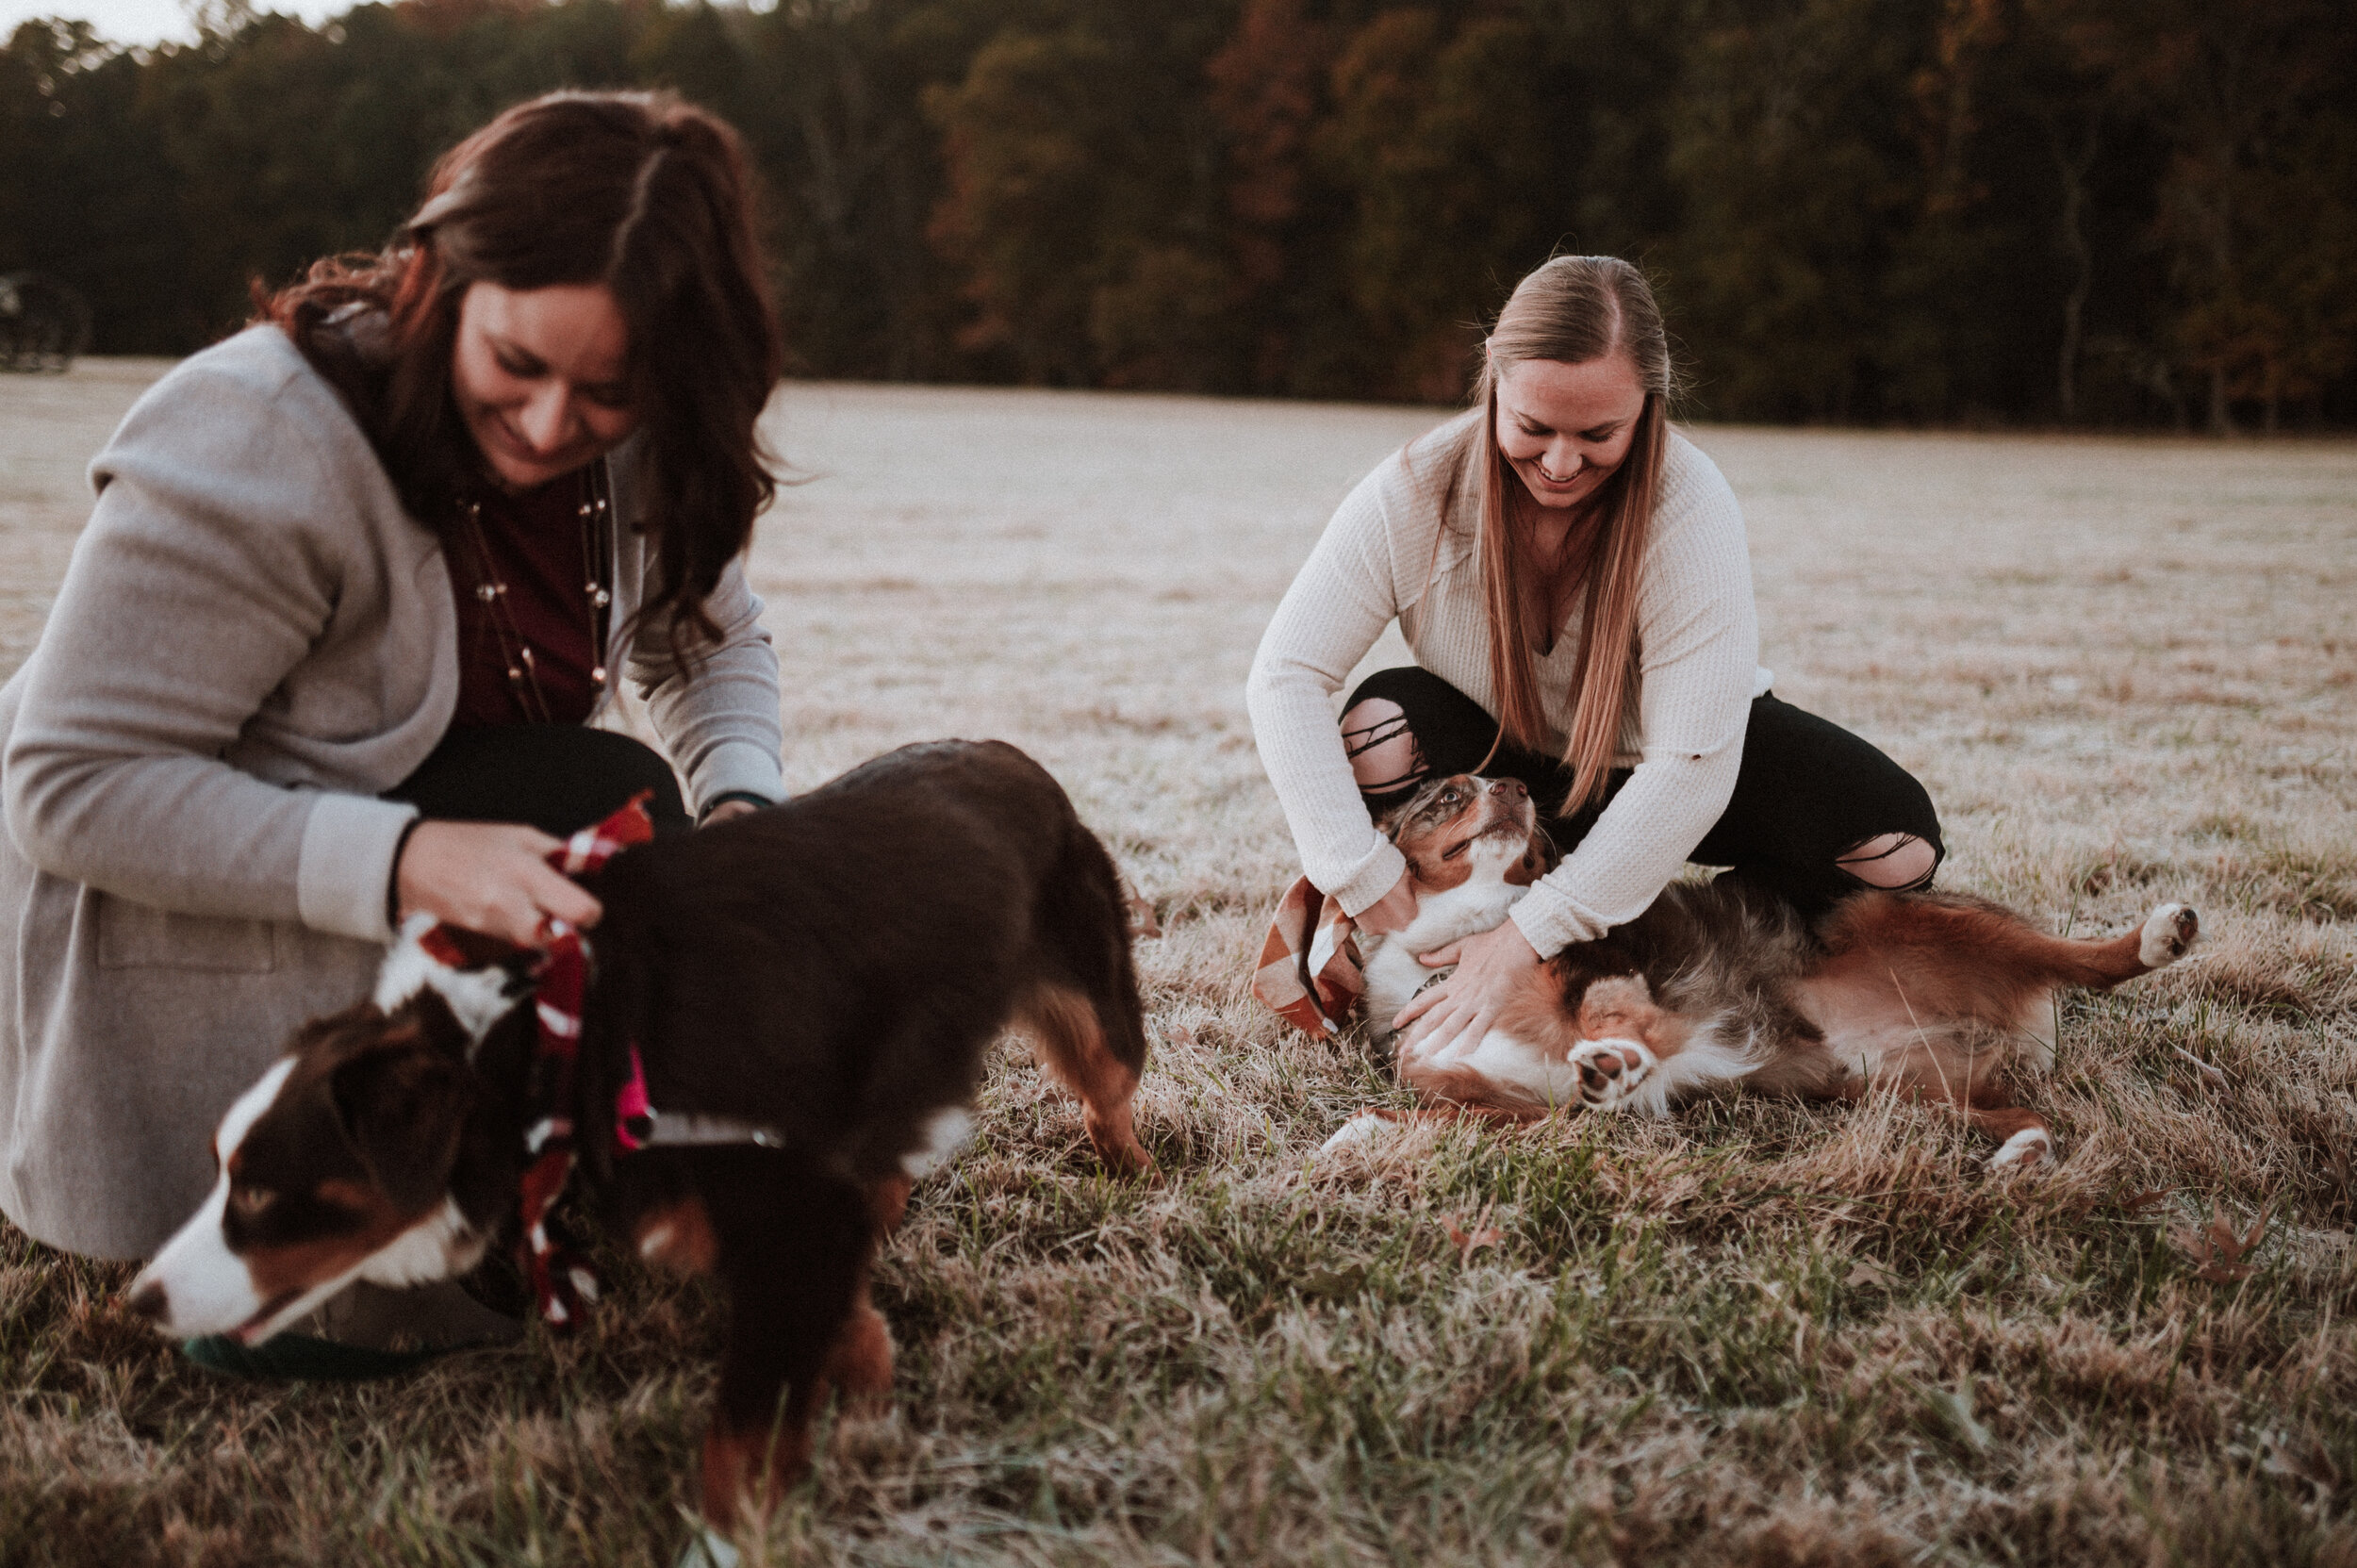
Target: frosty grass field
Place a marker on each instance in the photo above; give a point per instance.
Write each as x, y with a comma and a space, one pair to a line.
1756, 1333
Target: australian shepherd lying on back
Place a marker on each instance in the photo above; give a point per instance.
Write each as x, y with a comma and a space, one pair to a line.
1719, 986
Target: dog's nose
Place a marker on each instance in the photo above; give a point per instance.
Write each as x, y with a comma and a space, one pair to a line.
1512, 788
150, 1302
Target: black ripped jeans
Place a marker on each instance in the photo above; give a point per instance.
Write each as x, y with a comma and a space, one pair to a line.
1809, 791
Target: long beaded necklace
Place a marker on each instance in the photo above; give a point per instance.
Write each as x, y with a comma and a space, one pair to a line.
597, 553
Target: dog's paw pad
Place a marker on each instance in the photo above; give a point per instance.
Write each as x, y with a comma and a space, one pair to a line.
1610, 1072
2168, 931
1361, 1129
2032, 1148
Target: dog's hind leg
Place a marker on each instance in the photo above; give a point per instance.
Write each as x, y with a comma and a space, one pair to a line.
794, 1246
860, 1365
1963, 1070
1942, 942
2024, 1142
1376, 1121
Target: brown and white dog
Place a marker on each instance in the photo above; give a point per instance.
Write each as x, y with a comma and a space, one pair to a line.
1719, 986
810, 989
1474, 848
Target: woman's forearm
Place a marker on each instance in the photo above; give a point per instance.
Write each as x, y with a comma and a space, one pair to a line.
720, 720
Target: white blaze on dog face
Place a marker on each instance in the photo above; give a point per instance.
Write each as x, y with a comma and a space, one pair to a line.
208, 1288
296, 1213
1455, 822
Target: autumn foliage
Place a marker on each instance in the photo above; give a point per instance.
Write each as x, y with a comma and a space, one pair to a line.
2040, 211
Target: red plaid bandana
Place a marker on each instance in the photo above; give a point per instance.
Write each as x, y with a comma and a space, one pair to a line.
561, 1279
1310, 971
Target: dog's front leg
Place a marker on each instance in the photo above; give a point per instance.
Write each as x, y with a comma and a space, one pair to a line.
794, 1246
860, 1365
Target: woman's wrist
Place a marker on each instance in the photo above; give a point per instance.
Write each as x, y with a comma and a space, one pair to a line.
1544, 946
392, 875
748, 797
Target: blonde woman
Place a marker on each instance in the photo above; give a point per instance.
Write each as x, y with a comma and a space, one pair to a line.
1572, 577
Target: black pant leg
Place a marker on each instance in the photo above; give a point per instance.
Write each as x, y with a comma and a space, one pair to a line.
1808, 792
1454, 735
560, 778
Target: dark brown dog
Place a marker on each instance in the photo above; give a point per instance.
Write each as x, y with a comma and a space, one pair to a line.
810, 989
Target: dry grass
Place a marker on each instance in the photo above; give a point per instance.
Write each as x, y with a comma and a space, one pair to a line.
1758, 1333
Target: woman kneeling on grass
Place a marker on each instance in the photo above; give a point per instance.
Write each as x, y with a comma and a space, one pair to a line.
1572, 577
329, 648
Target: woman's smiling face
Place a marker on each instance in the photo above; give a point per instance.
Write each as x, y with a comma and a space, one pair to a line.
542, 377
1566, 428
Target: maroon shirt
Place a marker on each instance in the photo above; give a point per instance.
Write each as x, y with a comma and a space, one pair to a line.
537, 549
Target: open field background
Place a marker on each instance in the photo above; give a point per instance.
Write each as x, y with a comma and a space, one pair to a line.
1758, 1333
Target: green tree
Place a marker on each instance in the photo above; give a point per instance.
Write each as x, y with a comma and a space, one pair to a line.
1438, 138
1790, 150
1081, 200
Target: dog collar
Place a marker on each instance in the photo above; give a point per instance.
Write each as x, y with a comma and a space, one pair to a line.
639, 1125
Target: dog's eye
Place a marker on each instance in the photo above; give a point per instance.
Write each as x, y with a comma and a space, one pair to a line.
251, 1201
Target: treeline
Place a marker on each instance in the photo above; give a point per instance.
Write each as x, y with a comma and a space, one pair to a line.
2032, 211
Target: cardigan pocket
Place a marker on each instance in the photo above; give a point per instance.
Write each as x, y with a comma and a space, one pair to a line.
133, 935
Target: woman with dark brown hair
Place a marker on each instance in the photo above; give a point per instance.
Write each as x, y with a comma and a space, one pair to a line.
358, 584
1572, 577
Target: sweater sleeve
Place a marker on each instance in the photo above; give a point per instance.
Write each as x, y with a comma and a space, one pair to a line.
1339, 603
206, 573
1698, 640
721, 719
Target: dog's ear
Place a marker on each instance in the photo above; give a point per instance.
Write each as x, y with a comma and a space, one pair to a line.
403, 1107
1539, 857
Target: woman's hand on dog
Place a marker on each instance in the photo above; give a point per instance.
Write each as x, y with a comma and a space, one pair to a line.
489, 877
1491, 968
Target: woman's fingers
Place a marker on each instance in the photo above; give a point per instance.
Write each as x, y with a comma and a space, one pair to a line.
1440, 958
560, 898
1422, 1002
1491, 968
489, 877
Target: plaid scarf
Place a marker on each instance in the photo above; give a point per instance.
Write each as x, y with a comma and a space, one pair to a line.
562, 1279
1309, 972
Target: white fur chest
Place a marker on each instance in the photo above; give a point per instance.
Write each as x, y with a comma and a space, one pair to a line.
1394, 975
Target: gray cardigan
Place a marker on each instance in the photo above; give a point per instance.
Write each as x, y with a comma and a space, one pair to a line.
253, 641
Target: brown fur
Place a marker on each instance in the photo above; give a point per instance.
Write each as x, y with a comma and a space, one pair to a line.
677, 1237
770, 969
1434, 827
1925, 992
1072, 1046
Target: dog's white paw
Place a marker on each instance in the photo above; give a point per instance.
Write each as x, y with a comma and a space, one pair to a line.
1612, 1072
2030, 1148
1361, 1129
2168, 931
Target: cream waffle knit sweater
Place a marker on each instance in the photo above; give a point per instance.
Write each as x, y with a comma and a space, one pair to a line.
1403, 546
